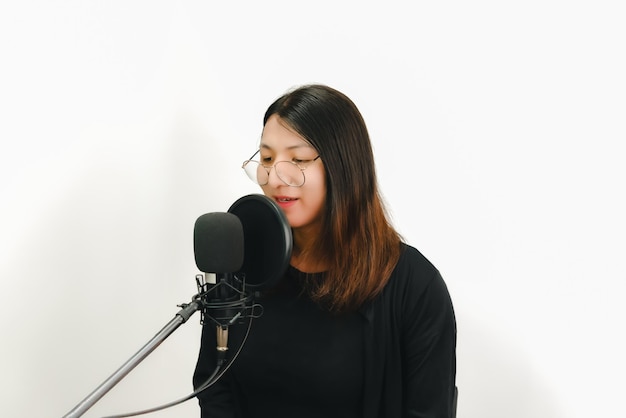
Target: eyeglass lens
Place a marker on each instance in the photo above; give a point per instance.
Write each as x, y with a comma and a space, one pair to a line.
287, 171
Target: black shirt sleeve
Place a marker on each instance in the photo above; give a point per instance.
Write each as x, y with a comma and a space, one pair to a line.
428, 348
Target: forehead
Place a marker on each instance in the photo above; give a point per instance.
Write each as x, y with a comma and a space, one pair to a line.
277, 135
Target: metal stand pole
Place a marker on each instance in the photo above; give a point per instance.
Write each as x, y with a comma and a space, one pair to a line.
181, 317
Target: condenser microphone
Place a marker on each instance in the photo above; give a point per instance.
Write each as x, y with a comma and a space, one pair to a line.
218, 242
218, 250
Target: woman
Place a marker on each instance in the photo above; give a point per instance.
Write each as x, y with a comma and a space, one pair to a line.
362, 324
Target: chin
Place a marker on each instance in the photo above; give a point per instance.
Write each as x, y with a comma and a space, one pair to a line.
295, 223
304, 224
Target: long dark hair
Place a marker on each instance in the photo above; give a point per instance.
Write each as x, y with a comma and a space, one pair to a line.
357, 239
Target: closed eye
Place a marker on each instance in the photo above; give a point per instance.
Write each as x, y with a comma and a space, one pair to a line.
303, 161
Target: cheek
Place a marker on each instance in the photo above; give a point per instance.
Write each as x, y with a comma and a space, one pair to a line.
316, 184
317, 194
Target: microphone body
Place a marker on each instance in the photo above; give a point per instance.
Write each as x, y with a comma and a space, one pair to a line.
218, 251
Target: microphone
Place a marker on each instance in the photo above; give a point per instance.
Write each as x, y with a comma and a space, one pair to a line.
218, 251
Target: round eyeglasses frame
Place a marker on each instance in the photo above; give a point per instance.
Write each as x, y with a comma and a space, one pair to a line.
267, 168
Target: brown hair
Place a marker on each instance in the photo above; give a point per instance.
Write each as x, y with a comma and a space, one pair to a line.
357, 239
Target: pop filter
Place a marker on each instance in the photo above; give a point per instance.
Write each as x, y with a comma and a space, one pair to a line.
267, 240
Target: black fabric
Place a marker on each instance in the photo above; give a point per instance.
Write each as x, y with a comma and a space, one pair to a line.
404, 341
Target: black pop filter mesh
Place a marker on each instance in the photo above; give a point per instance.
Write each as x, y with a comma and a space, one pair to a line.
218, 243
267, 240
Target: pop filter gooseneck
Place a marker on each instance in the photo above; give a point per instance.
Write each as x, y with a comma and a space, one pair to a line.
268, 240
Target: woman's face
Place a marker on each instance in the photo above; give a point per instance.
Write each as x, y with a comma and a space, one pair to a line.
302, 205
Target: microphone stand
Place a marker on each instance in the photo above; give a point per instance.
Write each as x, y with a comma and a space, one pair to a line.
231, 303
188, 309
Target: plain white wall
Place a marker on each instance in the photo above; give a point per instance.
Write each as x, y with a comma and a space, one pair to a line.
498, 129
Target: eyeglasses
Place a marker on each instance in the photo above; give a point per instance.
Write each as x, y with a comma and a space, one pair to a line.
289, 172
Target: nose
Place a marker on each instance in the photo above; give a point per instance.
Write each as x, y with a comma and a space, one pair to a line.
273, 179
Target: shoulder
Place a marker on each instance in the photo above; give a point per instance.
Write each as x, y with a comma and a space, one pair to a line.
412, 258
413, 269
415, 282
414, 279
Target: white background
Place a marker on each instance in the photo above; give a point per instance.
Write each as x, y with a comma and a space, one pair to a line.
498, 130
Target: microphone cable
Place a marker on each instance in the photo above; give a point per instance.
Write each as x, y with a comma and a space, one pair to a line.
215, 376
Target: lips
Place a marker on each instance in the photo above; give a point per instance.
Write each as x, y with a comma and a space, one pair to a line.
284, 199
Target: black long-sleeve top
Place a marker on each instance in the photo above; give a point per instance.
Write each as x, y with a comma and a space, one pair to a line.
395, 357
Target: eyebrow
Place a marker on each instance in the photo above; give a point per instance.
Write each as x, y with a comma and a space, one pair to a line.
304, 145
